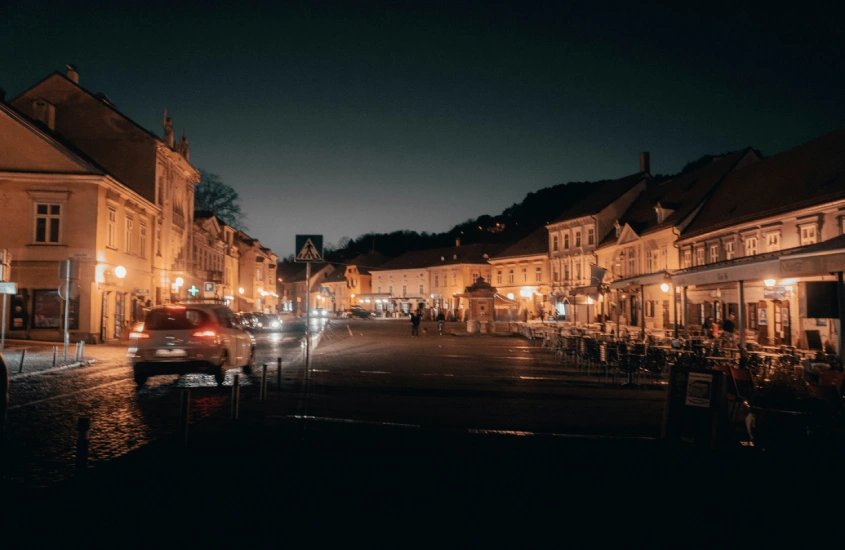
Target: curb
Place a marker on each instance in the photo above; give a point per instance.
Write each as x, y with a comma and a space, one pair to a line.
52, 369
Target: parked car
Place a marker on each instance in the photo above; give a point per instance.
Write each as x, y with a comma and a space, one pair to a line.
249, 320
269, 322
359, 312
193, 338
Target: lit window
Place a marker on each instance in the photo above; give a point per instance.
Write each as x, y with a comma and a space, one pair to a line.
565, 241
751, 246
130, 227
632, 261
111, 229
510, 276
474, 276
142, 242
687, 258
808, 235
499, 277
729, 250
554, 243
664, 254
422, 290
577, 239
655, 260
258, 271
714, 253
773, 242
566, 272
538, 274
699, 256
48, 223
577, 272
591, 235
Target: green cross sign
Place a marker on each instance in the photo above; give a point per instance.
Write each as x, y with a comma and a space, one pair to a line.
194, 290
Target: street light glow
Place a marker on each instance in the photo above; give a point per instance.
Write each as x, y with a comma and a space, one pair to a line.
120, 272
180, 281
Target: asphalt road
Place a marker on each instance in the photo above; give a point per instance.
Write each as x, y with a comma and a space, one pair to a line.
363, 371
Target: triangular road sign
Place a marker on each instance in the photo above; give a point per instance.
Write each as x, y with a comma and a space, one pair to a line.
310, 248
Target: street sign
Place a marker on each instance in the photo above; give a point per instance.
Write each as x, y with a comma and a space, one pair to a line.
208, 289
8, 288
74, 290
309, 248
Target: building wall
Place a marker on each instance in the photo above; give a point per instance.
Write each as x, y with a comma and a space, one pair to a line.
532, 294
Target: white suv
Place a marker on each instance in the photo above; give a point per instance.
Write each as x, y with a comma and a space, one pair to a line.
189, 338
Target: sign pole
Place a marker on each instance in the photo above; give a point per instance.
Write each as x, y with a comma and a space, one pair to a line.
67, 307
307, 319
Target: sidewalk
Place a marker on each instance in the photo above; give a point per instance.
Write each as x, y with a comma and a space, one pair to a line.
39, 357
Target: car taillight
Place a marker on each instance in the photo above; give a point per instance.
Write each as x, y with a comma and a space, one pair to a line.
138, 335
204, 334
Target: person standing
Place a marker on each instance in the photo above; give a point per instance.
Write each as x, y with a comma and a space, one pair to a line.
441, 319
729, 326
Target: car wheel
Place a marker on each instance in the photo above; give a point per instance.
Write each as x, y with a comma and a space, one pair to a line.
140, 379
250, 364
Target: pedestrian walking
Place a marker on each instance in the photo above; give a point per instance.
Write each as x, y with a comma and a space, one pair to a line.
415, 323
441, 319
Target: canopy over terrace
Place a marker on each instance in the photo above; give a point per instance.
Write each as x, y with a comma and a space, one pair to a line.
783, 269
636, 285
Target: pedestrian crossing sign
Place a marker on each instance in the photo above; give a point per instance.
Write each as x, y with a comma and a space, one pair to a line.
309, 248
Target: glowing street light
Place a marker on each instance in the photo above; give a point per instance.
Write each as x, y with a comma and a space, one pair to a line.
120, 272
769, 282
241, 290
179, 281
664, 287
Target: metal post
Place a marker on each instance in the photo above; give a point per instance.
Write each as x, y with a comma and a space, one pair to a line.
3, 329
264, 382
81, 350
840, 294
55, 354
67, 307
617, 314
642, 311
279, 374
684, 313
76, 352
307, 319
184, 413
23, 358
83, 429
236, 396
4, 399
741, 319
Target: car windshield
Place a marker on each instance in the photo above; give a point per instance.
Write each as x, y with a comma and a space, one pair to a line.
176, 319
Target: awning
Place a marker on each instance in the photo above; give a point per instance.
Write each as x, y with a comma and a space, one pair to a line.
768, 268
584, 290
642, 280
506, 300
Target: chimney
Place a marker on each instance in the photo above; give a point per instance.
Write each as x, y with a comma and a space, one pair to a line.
72, 75
645, 165
458, 242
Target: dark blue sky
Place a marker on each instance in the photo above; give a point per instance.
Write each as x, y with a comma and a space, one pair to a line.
345, 118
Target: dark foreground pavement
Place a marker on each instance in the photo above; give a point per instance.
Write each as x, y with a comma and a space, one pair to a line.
279, 481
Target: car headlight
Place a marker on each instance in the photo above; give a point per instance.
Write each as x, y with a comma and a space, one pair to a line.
276, 324
325, 314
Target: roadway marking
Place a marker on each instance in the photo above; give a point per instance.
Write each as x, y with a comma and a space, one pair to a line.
374, 372
521, 433
500, 432
53, 398
350, 330
319, 370
437, 374
346, 420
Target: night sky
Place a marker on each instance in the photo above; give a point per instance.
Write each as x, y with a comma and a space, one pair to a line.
345, 118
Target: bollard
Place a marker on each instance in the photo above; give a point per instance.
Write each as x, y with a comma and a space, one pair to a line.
82, 429
236, 396
55, 354
184, 412
81, 350
264, 382
76, 352
23, 358
279, 374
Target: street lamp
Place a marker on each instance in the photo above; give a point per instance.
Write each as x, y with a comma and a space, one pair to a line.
120, 272
241, 290
769, 282
664, 287
179, 281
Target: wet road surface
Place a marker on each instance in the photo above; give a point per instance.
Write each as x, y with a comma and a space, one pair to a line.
363, 371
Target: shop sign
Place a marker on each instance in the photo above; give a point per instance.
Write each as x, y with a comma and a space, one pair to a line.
774, 293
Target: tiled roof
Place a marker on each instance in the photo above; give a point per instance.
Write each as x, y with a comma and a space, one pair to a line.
365, 262
535, 243
454, 255
605, 193
682, 194
809, 174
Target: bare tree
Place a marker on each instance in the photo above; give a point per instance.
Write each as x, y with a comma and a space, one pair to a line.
213, 195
